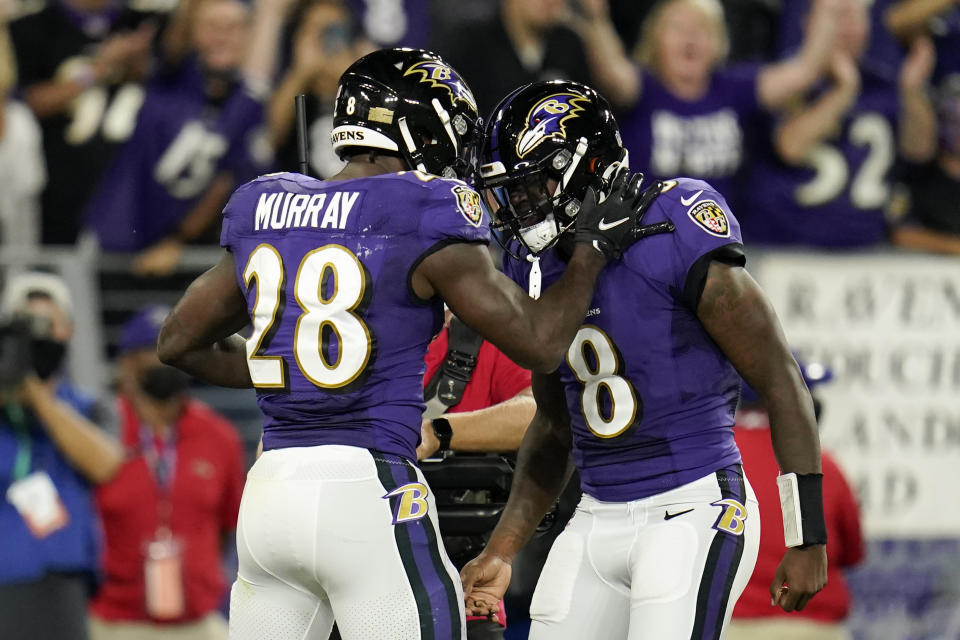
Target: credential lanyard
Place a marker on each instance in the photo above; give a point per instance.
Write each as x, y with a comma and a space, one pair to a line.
162, 462
18, 418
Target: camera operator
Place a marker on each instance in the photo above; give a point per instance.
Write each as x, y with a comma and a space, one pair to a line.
51, 451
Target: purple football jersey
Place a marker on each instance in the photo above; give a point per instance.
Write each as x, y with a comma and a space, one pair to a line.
838, 198
704, 138
339, 337
651, 396
180, 142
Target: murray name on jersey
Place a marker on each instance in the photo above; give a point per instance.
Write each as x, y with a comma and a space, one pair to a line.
283, 210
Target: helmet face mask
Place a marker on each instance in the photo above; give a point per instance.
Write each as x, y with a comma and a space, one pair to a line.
410, 103
545, 145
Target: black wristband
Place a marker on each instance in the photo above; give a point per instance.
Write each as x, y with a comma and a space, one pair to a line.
444, 432
810, 488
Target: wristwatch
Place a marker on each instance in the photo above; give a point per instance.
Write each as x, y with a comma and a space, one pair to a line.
443, 431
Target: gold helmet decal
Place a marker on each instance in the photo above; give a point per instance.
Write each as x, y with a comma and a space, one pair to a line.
547, 119
440, 75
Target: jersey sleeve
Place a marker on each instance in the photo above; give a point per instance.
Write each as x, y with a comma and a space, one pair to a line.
238, 212
451, 212
705, 230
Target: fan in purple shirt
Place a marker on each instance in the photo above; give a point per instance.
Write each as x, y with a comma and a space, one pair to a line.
682, 111
826, 177
196, 136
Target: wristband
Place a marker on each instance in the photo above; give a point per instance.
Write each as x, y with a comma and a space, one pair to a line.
444, 432
801, 501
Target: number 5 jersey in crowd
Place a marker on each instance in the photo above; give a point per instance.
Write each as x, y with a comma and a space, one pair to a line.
651, 396
325, 268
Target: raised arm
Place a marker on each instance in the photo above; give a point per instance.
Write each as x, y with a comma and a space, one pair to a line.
199, 334
614, 73
784, 81
738, 316
795, 138
917, 130
543, 469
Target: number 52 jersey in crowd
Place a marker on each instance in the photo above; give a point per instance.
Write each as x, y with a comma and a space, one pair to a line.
339, 337
651, 396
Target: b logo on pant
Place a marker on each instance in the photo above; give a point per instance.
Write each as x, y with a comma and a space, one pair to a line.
411, 503
732, 517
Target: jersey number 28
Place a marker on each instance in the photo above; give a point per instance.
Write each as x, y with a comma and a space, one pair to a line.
330, 287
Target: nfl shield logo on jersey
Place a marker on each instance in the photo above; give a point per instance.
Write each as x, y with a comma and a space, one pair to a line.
709, 215
468, 202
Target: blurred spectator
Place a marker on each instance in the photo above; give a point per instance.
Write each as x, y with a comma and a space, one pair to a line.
827, 179
51, 449
170, 507
395, 23
823, 617
940, 19
196, 138
883, 50
933, 216
325, 43
685, 113
22, 169
525, 41
80, 64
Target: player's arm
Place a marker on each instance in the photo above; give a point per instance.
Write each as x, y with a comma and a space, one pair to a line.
543, 469
495, 429
535, 333
781, 82
199, 334
740, 319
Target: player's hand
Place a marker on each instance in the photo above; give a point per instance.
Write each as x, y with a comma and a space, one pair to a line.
485, 580
801, 574
609, 224
428, 440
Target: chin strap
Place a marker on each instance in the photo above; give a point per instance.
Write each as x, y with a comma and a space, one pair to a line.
415, 155
536, 279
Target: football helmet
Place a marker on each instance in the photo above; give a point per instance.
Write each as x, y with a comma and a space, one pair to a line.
545, 144
412, 103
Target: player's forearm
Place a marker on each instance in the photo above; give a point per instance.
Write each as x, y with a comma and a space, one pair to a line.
613, 71
496, 429
89, 450
555, 318
918, 126
796, 138
543, 468
223, 363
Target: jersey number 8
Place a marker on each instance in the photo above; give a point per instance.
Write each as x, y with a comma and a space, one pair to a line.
330, 286
599, 371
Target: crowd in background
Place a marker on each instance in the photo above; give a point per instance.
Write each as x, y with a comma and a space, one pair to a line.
826, 123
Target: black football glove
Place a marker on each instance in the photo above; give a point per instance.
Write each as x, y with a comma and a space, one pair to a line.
612, 226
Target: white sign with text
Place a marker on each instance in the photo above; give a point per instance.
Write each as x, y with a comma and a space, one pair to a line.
888, 325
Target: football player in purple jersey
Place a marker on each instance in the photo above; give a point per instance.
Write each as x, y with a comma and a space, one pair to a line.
666, 535
344, 281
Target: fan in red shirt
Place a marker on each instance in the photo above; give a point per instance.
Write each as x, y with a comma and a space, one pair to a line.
167, 511
823, 617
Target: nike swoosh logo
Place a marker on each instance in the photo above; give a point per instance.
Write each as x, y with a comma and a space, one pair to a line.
689, 201
604, 225
667, 515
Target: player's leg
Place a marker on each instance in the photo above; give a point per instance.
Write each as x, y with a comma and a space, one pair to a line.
394, 580
268, 600
692, 559
583, 591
